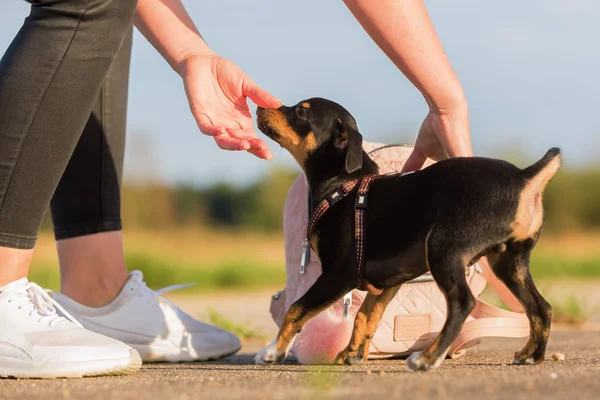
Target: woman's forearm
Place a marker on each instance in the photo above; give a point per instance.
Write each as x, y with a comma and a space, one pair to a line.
167, 25
403, 30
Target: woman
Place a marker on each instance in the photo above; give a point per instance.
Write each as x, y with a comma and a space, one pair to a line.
65, 73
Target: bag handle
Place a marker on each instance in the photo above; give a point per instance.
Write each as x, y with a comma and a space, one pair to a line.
500, 288
489, 321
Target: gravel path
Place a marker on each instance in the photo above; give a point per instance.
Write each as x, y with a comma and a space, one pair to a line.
484, 372
479, 374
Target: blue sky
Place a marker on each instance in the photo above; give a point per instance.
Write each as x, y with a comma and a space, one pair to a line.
529, 68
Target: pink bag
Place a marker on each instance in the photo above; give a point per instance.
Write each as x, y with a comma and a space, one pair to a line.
418, 311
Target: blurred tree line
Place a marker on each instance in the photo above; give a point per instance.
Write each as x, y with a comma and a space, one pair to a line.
571, 203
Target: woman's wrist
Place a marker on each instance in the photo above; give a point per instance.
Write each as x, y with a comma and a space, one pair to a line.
448, 102
452, 128
191, 59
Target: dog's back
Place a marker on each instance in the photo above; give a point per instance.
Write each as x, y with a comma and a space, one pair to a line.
476, 200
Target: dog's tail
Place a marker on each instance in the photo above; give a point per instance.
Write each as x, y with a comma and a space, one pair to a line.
543, 170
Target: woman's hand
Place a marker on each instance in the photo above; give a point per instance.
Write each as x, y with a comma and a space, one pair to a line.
217, 89
442, 135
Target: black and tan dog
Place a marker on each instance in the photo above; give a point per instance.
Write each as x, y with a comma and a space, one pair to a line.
442, 219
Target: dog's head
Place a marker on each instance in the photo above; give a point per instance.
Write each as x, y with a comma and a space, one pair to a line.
319, 133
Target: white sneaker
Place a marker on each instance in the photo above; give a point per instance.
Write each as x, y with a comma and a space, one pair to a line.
37, 342
153, 325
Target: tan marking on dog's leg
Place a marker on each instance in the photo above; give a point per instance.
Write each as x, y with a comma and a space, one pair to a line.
537, 332
513, 270
381, 303
365, 324
326, 290
358, 332
292, 324
538, 336
375, 316
278, 350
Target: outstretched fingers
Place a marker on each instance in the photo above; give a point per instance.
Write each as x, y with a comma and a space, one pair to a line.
260, 96
226, 142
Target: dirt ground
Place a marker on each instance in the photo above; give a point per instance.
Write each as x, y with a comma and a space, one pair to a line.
483, 372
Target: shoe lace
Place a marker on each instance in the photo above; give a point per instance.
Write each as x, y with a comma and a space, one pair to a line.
36, 300
170, 288
158, 294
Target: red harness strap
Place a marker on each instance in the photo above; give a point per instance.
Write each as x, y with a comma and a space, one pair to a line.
327, 202
359, 220
360, 206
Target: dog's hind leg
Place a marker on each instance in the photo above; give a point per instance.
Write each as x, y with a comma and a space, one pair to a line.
365, 324
447, 267
512, 268
324, 292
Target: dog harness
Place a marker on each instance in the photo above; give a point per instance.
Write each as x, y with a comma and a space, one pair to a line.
360, 205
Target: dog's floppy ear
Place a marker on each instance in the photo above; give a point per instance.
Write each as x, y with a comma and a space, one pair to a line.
350, 140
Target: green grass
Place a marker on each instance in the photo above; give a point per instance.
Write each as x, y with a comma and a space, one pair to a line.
161, 272
241, 330
549, 266
568, 311
227, 274
323, 378
235, 272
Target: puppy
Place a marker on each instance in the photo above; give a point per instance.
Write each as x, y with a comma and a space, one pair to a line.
440, 219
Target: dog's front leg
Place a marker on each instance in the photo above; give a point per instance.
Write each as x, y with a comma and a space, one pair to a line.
323, 293
365, 324
375, 317
350, 355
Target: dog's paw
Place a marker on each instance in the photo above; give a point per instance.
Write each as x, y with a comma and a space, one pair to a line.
522, 358
354, 360
269, 355
418, 362
349, 358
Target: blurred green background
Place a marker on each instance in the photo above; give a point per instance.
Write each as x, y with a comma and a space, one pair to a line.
230, 237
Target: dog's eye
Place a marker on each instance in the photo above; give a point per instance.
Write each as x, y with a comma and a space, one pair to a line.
302, 112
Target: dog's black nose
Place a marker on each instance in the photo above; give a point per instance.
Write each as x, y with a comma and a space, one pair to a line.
260, 109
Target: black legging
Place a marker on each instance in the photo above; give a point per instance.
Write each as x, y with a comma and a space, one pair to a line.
62, 114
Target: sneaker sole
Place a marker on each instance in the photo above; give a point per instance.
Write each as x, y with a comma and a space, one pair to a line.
176, 358
123, 367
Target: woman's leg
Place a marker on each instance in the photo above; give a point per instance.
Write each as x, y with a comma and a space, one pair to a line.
86, 207
50, 77
87, 223
49, 80
14, 264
